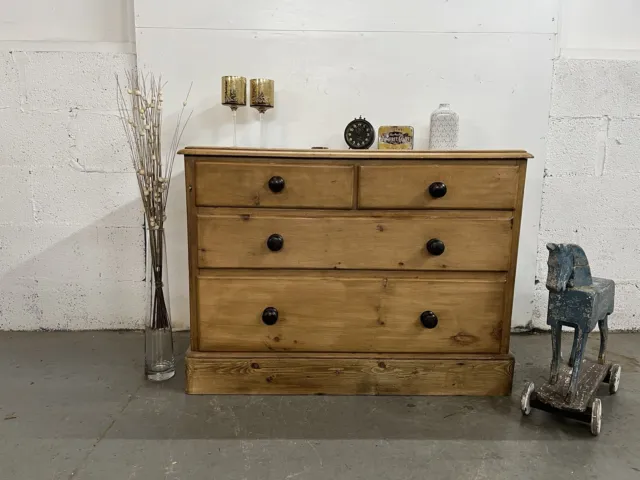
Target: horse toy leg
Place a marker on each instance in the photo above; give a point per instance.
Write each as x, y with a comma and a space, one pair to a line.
556, 346
582, 335
572, 358
604, 333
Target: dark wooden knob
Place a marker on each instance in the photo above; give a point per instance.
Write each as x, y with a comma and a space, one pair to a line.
435, 246
270, 316
275, 242
276, 184
428, 319
437, 189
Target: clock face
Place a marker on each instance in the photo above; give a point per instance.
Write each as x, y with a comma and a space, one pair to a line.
359, 134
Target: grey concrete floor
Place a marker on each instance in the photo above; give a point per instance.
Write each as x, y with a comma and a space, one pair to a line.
76, 406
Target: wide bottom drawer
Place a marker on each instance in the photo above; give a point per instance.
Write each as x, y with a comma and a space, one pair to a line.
349, 314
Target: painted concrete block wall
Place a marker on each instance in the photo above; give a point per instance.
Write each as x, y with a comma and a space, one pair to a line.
71, 238
592, 176
331, 63
597, 29
67, 25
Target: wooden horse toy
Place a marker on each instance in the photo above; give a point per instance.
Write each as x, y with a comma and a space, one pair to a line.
578, 300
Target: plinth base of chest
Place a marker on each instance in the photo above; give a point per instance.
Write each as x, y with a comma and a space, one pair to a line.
348, 374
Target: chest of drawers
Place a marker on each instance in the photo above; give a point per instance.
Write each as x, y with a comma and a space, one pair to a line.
352, 272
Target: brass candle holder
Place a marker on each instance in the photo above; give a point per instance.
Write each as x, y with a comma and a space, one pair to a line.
262, 99
234, 95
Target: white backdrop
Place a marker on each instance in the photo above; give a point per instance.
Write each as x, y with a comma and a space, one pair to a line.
335, 60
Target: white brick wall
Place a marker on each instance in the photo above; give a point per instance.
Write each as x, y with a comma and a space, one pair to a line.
592, 176
72, 80
71, 242
23, 144
71, 239
594, 88
10, 93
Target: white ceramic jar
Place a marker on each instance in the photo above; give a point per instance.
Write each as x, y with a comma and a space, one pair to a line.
443, 133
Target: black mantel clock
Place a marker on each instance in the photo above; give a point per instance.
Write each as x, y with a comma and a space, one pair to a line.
359, 134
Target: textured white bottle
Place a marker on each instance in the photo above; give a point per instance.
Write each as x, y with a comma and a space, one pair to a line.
443, 133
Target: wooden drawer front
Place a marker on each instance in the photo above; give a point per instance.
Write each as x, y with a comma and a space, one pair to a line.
247, 185
354, 242
467, 186
349, 314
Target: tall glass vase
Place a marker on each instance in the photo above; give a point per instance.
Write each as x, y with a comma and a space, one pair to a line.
159, 360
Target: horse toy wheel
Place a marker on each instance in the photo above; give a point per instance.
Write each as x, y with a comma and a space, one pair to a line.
525, 399
614, 378
596, 417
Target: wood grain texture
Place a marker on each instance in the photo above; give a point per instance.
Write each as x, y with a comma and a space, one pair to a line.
354, 274
354, 242
251, 153
513, 259
323, 213
246, 185
342, 161
468, 186
349, 314
591, 375
386, 374
470, 277
192, 240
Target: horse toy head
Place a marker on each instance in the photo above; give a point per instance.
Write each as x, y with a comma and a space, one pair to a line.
568, 267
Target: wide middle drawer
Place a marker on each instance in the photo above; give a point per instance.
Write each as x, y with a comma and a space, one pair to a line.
435, 241
347, 314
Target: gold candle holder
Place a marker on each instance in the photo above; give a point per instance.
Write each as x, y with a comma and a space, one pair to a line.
262, 94
262, 99
234, 95
234, 92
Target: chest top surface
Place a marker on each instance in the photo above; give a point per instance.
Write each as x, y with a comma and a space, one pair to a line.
360, 155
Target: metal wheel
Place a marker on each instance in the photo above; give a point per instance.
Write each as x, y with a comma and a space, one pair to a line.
614, 378
596, 416
525, 398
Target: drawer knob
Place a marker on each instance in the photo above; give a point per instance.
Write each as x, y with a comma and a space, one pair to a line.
270, 316
276, 184
428, 319
437, 189
275, 242
435, 246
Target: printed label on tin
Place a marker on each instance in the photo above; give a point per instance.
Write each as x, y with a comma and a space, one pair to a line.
395, 137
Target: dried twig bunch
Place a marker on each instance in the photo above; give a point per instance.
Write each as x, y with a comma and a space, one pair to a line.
140, 104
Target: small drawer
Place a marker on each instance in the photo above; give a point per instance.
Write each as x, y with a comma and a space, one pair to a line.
438, 186
323, 314
273, 185
319, 240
